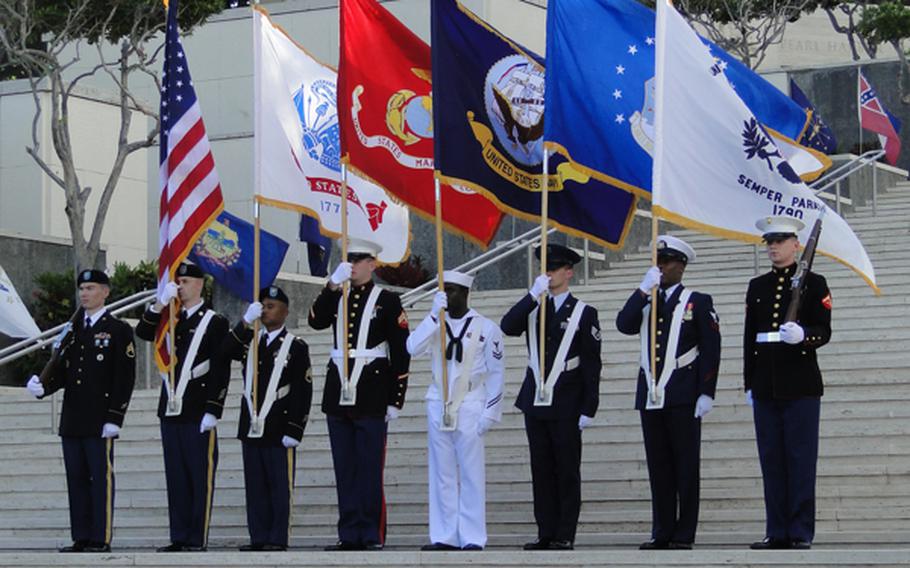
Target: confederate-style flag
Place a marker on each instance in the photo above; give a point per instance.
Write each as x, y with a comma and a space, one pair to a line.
386, 118
875, 117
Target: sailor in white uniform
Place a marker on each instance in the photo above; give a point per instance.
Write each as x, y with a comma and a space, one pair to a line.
458, 420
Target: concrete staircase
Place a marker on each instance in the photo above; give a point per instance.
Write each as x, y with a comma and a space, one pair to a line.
864, 466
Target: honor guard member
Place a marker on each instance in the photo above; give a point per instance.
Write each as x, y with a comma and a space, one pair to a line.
784, 385
97, 370
673, 403
190, 413
556, 414
270, 435
358, 406
456, 424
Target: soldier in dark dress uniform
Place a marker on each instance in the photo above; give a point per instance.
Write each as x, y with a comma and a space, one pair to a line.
556, 414
97, 370
682, 393
282, 406
191, 411
358, 408
784, 385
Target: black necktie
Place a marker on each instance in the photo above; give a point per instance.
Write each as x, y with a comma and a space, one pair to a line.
88, 323
455, 347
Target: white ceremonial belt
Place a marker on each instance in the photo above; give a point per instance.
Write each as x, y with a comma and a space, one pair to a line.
768, 337
282, 392
200, 369
572, 364
688, 357
381, 351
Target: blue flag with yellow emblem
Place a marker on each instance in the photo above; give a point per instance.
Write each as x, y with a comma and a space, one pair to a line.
488, 97
225, 250
818, 135
600, 93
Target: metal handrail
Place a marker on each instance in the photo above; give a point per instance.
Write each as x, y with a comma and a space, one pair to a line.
492, 256
845, 170
23, 348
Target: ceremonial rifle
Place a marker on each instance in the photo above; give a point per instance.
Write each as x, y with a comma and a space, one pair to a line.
798, 281
61, 343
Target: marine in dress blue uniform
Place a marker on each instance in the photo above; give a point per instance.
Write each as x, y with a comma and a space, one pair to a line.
97, 371
190, 414
282, 406
687, 361
784, 385
556, 415
357, 409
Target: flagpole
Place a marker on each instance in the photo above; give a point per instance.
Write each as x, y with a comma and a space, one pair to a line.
172, 352
446, 418
254, 416
345, 380
859, 109
541, 301
653, 324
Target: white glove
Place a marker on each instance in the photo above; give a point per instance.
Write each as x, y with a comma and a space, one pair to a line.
651, 279
703, 405
168, 293
541, 285
35, 387
584, 421
289, 442
792, 333
110, 430
253, 313
484, 425
208, 423
342, 274
440, 302
391, 413
749, 398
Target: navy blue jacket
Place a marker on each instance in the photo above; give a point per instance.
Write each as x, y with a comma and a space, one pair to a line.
700, 327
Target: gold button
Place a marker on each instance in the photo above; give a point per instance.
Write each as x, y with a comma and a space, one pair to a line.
781, 279
657, 359
356, 304
657, 346
776, 306
78, 382
351, 335
661, 320
775, 314
351, 324
777, 296
356, 296
659, 332
774, 324
755, 352
780, 287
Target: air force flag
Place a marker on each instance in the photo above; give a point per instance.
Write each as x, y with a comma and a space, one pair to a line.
715, 167
488, 96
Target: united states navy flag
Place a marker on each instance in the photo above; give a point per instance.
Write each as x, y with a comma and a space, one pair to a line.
600, 93
225, 250
817, 135
488, 96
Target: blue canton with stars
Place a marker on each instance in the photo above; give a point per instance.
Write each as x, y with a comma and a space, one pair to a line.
177, 93
599, 88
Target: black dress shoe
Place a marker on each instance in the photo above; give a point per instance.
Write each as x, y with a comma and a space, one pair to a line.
187, 548
438, 546
654, 545
342, 546
172, 547
273, 547
78, 546
770, 544
472, 547
539, 544
673, 545
800, 545
373, 547
249, 547
97, 547
561, 545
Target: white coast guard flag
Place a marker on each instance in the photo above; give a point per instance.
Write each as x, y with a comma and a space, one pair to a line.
297, 147
15, 321
715, 168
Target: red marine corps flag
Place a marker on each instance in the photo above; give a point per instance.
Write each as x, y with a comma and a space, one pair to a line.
386, 116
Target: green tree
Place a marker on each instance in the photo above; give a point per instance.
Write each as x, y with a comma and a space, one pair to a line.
889, 23
43, 40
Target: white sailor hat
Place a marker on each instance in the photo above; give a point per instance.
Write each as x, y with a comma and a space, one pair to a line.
361, 248
460, 278
779, 227
675, 247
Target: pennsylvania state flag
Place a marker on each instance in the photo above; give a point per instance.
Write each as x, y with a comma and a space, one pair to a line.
600, 93
488, 97
225, 250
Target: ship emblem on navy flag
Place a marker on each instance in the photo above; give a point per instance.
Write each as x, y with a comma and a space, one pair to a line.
513, 95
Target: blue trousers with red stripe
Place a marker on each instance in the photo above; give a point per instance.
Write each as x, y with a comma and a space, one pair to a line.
358, 453
89, 464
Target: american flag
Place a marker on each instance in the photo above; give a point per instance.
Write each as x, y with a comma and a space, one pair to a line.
190, 190
875, 117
